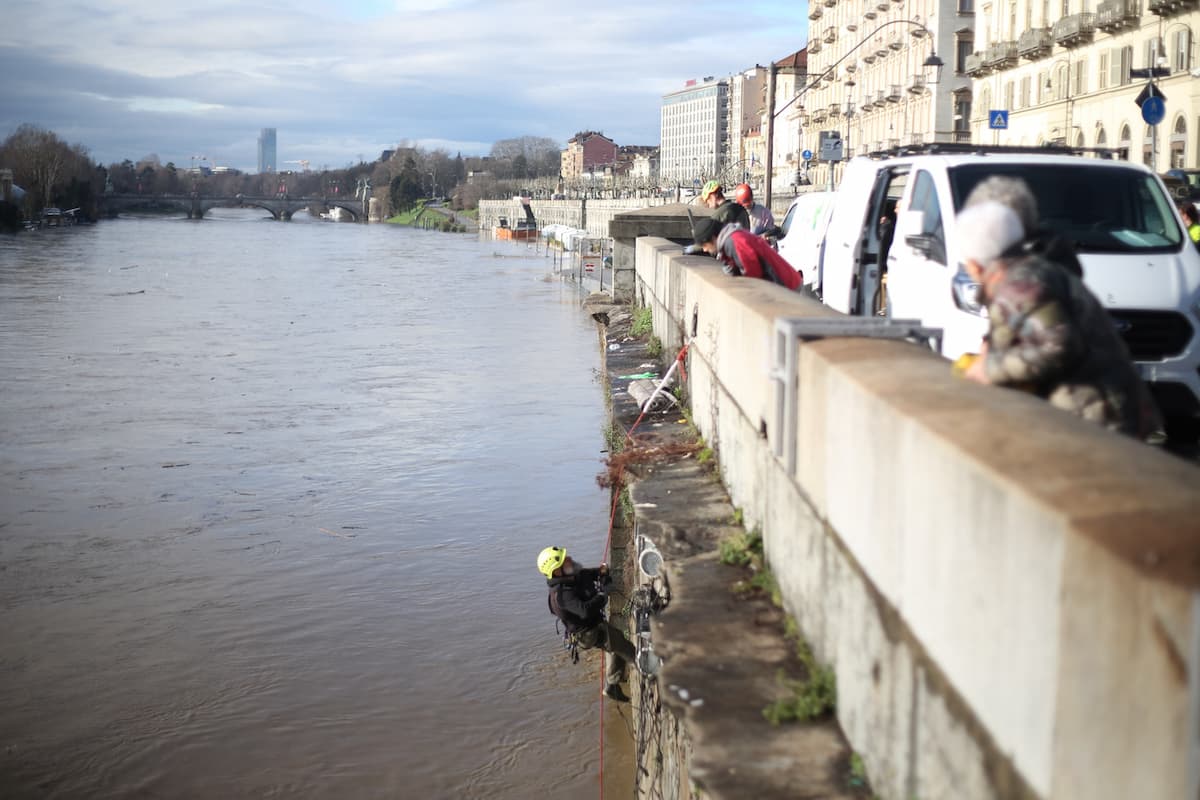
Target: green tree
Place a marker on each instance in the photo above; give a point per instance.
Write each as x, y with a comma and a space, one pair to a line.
405, 188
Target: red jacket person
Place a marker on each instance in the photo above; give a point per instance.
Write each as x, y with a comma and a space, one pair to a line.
742, 253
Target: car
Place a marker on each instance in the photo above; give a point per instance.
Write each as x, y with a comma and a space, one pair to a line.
802, 232
1123, 223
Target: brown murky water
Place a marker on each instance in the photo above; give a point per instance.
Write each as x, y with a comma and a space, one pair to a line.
270, 498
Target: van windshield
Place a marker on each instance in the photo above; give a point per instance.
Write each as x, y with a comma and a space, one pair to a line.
1100, 210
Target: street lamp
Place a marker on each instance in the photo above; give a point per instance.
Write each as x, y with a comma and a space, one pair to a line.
932, 60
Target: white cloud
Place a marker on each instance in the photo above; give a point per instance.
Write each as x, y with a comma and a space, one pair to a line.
205, 77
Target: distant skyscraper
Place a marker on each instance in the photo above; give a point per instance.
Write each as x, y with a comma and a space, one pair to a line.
266, 150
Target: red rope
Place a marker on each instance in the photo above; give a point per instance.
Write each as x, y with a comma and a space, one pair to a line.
612, 518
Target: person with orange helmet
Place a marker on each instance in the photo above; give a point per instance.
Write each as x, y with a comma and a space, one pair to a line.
762, 221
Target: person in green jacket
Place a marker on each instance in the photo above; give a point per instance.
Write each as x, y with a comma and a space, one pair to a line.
724, 211
1191, 218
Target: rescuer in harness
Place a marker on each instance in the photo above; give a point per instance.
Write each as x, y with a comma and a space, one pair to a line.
577, 597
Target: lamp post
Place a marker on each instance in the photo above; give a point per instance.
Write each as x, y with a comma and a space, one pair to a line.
931, 61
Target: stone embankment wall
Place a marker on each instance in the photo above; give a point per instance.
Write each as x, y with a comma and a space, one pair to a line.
1008, 595
593, 215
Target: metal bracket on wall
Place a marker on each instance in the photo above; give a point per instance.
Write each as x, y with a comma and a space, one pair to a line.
790, 331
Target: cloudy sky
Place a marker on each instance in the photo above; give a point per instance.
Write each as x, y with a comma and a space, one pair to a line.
344, 80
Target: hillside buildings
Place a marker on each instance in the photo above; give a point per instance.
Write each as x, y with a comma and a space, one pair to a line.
266, 151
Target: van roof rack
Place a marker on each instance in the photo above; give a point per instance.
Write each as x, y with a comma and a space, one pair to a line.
967, 148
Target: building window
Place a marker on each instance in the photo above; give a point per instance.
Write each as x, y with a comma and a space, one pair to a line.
1043, 86
1122, 62
1008, 95
1079, 79
1046, 23
1181, 50
1025, 90
1178, 143
962, 48
1103, 73
1152, 52
1148, 147
1123, 143
966, 6
1066, 8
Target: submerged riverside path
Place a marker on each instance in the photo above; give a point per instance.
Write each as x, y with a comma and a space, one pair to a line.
699, 726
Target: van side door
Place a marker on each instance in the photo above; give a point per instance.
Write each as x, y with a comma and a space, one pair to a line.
918, 273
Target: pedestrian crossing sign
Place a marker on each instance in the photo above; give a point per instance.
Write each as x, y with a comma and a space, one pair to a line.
998, 119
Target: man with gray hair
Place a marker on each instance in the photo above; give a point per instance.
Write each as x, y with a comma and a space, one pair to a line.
1016, 194
1047, 332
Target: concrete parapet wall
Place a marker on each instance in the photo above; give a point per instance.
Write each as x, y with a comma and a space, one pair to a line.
593, 215
1008, 594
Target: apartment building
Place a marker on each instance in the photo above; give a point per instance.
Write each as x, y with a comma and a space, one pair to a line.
1062, 69
694, 129
747, 98
791, 77
872, 78
586, 153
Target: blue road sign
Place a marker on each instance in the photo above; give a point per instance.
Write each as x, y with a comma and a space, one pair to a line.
806, 155
998, 119
1154, 110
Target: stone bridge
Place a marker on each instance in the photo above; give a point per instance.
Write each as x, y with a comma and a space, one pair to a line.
196, 205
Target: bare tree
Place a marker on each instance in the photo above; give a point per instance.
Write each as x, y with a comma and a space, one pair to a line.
40, 160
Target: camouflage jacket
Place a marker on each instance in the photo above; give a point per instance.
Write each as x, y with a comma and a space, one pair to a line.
1049, 331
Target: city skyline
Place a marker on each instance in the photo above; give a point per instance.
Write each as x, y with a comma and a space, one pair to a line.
127, 79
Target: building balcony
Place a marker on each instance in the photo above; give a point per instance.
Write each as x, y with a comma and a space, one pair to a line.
835, 109
830, 35
815, 11
1117, 15
893, 93
814, 46
896, 43
893, 144
881, 49
883, 5
1001, 55
975, 66
870, 13
880, 97
1167, 8
916, 138
1075, 30
830, 3
870, 57
917, 84
1035, 43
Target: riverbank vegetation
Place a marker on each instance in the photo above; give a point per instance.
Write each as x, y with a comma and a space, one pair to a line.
48, 172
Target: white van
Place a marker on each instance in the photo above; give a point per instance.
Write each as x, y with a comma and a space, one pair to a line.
1135, 253
803, 229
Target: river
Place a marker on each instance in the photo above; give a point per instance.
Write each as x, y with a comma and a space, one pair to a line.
270, 499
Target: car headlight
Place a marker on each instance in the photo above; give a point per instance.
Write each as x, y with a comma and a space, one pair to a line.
966, 293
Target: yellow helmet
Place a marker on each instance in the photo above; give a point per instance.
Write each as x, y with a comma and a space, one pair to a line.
551, 559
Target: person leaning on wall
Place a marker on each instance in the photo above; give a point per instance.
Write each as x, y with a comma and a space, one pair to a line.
1016, 195
742, 253
1047, 331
